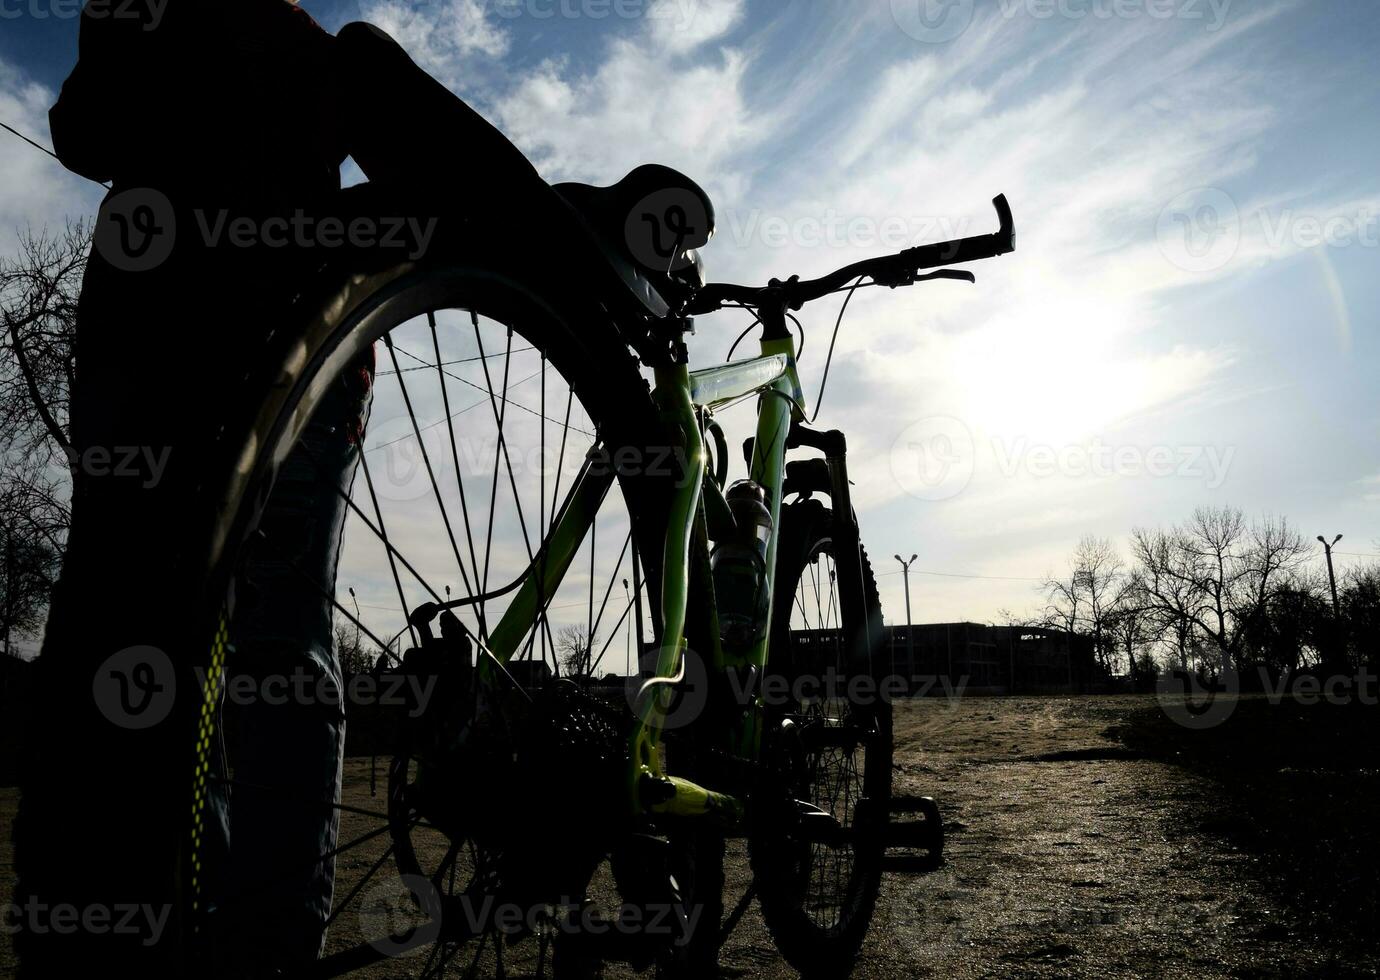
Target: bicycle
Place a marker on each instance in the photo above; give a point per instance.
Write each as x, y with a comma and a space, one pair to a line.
732, 585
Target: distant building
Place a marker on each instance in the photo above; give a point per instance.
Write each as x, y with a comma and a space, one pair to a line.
983, 659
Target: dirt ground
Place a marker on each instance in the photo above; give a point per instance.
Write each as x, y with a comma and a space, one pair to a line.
1069, 854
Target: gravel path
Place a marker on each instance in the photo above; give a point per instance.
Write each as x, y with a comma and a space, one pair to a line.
1068, 856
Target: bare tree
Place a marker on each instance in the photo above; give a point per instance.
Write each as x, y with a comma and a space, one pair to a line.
1360, 602
38, 303
1168, 589
1084, 601
39, 289
1216, 572
1132, 624
28, 572
574, 647
356, 656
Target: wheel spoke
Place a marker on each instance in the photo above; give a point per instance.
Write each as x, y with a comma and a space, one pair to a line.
454, 450
426, 461
388, 548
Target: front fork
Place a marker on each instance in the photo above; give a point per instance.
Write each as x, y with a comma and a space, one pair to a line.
847, 538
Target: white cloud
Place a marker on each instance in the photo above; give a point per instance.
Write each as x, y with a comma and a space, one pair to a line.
630, 111
680, 26
445, 37
37, 191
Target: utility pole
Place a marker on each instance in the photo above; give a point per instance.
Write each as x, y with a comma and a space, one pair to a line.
910, 631
1338, 644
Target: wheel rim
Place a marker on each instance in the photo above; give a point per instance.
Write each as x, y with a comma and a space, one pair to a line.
833, 778
493, 500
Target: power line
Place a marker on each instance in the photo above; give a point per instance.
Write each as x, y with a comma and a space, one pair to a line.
997, 578
39, 146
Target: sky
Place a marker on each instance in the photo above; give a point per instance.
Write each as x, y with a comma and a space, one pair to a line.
1191, 315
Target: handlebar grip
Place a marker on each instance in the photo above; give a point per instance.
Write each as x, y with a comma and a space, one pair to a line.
1008, 225
967, 249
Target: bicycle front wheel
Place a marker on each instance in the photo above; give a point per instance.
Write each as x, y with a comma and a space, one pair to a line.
828, 747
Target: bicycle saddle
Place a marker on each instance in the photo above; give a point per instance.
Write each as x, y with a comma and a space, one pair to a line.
649, 225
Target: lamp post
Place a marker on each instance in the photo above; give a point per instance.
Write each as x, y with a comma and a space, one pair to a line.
910, 633
1331, 575
627, 635
355, 599
1338, 649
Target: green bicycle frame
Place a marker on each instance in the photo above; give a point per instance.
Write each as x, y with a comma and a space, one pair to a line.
680, 396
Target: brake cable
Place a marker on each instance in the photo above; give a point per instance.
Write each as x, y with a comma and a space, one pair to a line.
756, 320
741, 306
829, 359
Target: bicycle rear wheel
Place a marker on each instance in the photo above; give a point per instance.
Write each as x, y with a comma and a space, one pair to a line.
488, 406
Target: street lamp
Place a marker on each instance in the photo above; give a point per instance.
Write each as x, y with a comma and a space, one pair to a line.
355, 600
910, 633
627, 635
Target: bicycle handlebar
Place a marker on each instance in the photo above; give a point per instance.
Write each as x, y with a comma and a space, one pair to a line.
900, 269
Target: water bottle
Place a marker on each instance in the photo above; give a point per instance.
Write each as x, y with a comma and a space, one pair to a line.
739, 566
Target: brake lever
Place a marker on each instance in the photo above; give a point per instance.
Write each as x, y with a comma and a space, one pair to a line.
909, 277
